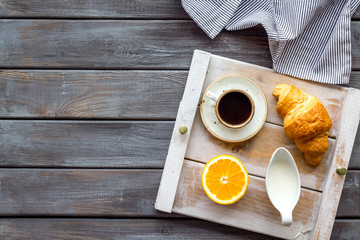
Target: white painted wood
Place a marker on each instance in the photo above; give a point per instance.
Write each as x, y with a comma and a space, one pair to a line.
315, 212
179, 142
334, 182
253, 212
256, 152
330, 95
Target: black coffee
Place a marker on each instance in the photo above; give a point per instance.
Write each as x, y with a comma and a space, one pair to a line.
234, 108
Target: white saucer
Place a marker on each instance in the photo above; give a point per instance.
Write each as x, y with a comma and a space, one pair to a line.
213, 124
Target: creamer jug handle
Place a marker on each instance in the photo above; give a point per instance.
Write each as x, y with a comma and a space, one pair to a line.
286, 218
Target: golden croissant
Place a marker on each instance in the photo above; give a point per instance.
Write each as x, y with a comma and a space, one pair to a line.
306, 121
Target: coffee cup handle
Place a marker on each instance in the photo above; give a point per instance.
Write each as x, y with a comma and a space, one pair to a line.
212, 96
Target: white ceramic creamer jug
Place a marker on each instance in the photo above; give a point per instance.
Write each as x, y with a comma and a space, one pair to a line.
283, 183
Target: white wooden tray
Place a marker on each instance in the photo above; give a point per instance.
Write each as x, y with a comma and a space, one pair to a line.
180, 189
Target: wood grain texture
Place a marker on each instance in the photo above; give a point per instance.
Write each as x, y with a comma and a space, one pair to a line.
256, 152
350, 193
179, 141
121, 44
346, 229
156, 9
91, 94
334, 182
90, 44
253, 212
95, 9
354, 80
84, 143
355, 83
355, 155
355, 44
88, 192
78, 192
92, 229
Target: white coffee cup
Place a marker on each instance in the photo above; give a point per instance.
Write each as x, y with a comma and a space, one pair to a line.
222, 115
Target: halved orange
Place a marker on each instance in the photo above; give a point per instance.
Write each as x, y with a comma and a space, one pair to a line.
225, 179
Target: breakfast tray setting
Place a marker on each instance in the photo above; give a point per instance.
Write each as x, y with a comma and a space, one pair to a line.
192, 146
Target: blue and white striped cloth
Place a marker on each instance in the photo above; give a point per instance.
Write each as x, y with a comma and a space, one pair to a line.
309, 39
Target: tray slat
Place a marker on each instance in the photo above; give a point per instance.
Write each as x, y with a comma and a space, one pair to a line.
256, 152
179, 142
334, 183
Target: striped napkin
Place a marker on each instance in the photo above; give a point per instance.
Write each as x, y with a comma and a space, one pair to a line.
308, 39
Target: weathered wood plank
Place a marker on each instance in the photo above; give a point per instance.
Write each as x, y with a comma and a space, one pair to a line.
156, 9
97, 9
350, 194
355, 44
345, 229
334, 182
79, 192
121, 44
87, 192
179, 141
256, 152
91, 229
91, 94
253, 212
355, 155
84, 143
354, 80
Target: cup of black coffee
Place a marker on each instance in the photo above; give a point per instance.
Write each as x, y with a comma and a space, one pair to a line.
234, 108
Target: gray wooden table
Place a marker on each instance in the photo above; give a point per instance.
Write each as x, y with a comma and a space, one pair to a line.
88, 96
